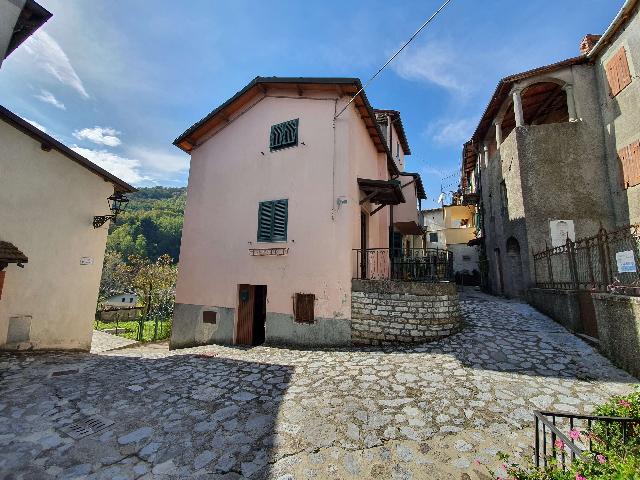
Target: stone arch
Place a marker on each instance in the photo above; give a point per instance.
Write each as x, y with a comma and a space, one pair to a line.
515, 281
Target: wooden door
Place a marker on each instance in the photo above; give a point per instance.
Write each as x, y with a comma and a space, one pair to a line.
246, 305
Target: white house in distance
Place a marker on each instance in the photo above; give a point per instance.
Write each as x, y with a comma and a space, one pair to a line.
123, 300
49, 196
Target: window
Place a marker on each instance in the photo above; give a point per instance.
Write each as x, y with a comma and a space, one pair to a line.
122, 299
433, 237
272, 221
629, 158
398, 150
209, 317
303, 307
466, 258
618, 74
284, 135
130, 299
504, 197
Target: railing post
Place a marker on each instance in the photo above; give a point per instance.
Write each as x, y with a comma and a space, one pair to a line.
588, 247
535, 272
549, 264
537, 441
573, 266
604, 257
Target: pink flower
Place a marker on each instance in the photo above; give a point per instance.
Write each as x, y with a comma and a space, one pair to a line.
601, 458
574, 434
559, 443
580, 477
624, 403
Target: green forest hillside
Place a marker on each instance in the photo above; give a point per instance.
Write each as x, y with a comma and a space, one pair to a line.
152, 224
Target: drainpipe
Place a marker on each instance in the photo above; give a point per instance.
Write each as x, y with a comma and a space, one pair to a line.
389, 138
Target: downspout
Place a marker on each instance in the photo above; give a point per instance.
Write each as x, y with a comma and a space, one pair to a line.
389, 137
333, 165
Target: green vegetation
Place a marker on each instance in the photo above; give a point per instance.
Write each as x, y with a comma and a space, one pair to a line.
142, 254
130, 329
612, 458
152, 224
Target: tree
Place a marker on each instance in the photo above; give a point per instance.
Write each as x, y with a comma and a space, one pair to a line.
109, 284
153, 282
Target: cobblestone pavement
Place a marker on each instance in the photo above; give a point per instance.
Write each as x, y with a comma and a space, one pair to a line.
103, 342
219, 412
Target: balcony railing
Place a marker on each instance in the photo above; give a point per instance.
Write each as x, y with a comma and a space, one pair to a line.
412, 265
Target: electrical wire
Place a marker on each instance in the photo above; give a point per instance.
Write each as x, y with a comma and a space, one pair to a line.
435, 14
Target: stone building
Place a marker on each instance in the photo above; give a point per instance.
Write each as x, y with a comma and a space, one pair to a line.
557, 153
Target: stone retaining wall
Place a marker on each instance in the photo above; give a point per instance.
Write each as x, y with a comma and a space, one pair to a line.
385, 312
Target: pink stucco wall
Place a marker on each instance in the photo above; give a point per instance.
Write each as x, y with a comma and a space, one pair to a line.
234, 170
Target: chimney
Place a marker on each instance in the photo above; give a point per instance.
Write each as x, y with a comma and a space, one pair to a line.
588, 42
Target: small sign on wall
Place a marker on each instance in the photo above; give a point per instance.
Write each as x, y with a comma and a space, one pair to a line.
560, 230
626, 262
86, 261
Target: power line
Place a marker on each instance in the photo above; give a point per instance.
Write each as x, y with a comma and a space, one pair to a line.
435, 14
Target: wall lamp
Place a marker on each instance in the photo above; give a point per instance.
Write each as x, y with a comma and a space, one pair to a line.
117, 204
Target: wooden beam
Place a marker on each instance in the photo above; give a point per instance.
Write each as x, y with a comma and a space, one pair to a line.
377, 210
370, 196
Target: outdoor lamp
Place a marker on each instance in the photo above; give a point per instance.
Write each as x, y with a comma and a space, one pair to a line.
117, 204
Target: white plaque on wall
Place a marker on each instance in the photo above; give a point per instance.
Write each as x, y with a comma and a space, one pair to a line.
560, 230
86, 261
626, 262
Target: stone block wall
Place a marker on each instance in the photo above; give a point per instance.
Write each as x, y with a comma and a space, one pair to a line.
386, 312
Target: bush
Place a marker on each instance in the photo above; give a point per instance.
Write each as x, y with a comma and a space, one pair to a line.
610, 459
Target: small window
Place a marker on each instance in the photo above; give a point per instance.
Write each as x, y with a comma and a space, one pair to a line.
466, 258
433, 237
504, 198
303, 307
123, 300
284, 135
209, 317
130, 299
272, 221
618, 74
398, 150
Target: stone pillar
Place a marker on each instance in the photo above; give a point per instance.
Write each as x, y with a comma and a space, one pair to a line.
498, 124
485, 152
571, 102
517, 107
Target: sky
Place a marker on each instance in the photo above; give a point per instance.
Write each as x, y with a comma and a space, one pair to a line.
119, 80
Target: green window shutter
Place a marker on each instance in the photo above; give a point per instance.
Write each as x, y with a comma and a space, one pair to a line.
280, 214
284, 135
265, 213
272, 221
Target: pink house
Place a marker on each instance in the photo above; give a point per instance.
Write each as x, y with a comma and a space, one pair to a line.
286, 201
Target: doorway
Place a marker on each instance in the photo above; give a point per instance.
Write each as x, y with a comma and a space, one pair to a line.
363, 244
516, 284
500, 278
252, 314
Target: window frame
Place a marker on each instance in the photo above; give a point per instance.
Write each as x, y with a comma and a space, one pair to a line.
272, 237
304, 315
281, 146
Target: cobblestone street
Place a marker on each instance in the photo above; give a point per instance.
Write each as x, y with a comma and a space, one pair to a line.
427, 411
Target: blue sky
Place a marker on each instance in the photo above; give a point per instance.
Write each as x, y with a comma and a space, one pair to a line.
119, 80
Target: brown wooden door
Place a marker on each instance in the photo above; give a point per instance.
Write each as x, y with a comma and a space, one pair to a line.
587, 314
246, 304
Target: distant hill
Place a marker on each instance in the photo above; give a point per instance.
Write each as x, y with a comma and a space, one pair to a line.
151, 225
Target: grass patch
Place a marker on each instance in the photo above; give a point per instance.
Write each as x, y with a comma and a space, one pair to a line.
130, 329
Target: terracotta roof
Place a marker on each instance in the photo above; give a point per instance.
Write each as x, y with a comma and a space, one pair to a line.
9, 253
259, 85
395, 118
47, 142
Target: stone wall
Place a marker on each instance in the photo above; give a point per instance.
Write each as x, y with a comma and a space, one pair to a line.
618, 318
561, 305
385, 312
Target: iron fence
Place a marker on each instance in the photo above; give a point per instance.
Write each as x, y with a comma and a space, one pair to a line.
412, 264
604, 262
561, 438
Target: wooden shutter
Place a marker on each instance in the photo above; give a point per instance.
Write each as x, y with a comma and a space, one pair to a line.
618, 73
284, 135
280, 214
265, 214
629, 161
303, 307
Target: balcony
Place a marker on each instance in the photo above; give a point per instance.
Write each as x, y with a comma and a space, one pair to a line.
428, 265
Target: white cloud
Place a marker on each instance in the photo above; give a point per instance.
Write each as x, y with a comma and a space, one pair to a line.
47, 97
437, 63
48, 54
100, 135
128, 169
451, 132
161, 160
35, 124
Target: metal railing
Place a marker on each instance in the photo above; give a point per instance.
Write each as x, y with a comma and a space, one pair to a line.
554, 442
413, 264
591, 263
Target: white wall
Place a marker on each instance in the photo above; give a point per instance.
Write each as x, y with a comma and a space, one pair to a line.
48, 203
